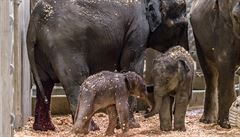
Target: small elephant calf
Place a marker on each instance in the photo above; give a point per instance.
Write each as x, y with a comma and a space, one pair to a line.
111, 91
172, 75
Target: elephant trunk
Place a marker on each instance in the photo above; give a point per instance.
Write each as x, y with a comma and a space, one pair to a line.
149, 101
156, 107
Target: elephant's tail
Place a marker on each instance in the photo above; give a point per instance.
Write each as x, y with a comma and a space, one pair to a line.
31, 43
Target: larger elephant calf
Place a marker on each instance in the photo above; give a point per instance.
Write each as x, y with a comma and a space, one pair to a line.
172, 74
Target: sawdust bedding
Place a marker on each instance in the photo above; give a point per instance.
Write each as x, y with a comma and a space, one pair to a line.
149, 127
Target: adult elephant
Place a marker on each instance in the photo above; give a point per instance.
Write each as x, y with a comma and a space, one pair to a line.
216, 26
68, 40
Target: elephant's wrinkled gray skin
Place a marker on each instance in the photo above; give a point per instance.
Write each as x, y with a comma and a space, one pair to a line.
68, 40
216, 28
236, 18
111, 91
173, 31
172, 74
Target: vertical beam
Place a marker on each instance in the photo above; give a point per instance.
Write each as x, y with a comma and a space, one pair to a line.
18, 66
6, 90
26, 78
22, 94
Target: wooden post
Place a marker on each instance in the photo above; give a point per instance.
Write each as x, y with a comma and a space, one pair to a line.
6, 69
18, 66
26, 78
22, 94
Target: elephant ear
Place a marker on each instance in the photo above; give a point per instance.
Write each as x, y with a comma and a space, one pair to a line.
183, 64
128, 83
153, 14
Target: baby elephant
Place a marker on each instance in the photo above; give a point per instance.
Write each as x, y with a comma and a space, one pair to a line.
111, 91
172, 75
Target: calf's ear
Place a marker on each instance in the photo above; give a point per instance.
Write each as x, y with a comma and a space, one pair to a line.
128, 83
183, 64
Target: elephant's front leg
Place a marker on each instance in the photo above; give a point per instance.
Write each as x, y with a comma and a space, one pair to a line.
123, 113
211, 94
181, 104
226, 94
165, 113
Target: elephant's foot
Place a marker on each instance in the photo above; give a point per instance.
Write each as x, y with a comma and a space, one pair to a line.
93, 126
133, 124
43, 120
166, 128
80, 132
224, 123
179, 128
179, 125
166, 125
43, 125
109, 132
208, 119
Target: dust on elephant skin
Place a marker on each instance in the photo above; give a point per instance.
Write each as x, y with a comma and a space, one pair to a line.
68, 40
172, 75
108, 90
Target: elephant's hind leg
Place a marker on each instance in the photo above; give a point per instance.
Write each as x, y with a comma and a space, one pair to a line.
211, 94
83, 119
42, 111
226, 93
71, 71
112, 115
181, 103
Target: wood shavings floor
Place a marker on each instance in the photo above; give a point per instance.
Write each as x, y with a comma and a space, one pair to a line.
149, 128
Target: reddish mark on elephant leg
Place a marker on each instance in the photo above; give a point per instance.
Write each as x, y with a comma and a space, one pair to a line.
42, 111
42, 117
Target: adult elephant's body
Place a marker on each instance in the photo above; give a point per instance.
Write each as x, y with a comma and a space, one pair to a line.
218, 48
70, 40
